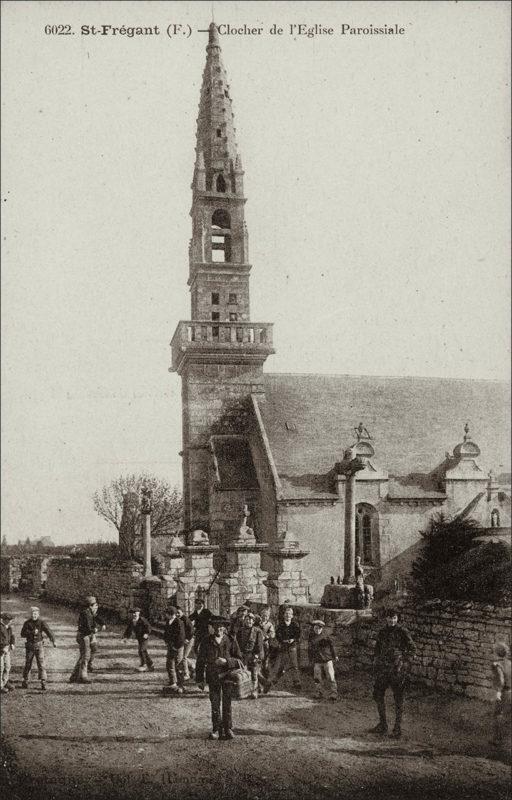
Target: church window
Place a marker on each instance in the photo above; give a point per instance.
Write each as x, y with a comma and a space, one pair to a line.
495, 518
215, 298
239, 334
204, 333
215, 316
366, 523
215, 333
250, 334
219, 133
232, 299
263, 336
221, 183
233, 317
221, 219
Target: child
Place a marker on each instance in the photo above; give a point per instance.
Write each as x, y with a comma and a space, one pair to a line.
322, 655
33, 630
269, 640
502, 684
7, 645
174, 637
288, 636
188, 627
141, 628
218, 654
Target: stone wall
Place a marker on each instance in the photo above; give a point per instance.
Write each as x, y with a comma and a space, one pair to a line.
454, 642
10, 573
117, 585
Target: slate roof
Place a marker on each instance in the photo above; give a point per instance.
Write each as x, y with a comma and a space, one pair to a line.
309, 421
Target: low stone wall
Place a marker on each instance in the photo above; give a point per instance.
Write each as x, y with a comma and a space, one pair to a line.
10, 573
454, 643
117, 585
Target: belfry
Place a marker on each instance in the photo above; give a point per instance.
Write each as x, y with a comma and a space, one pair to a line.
219, 353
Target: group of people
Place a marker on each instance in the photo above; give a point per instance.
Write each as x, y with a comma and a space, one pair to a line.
247, 641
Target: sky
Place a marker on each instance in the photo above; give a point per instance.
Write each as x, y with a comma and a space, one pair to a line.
376, 171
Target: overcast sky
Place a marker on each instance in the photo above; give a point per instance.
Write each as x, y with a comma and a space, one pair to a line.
378, 213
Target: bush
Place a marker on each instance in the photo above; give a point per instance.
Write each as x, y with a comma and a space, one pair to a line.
453, 566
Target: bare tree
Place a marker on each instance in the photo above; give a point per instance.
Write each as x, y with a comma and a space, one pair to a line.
167, 506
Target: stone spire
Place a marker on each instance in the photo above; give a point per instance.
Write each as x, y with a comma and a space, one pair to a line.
215, 126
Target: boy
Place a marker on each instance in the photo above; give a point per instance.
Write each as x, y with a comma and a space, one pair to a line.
250, 642
393, 649
322, 655
288, 636
7, 645
88, 625
33, 631
237, 621
141, 628
174, 637
218, 654
502, 684
269, 640
189, 642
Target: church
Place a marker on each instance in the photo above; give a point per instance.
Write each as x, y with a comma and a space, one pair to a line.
328, 467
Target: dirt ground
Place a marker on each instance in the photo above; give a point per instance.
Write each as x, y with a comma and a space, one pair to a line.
121, 738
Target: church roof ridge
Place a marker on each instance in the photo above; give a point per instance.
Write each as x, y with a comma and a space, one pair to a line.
366, 375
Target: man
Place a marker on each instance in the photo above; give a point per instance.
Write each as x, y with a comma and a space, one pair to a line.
200, 619
218, 654
189, 636
393, 649
142, 629
288, 636
250, 642
174, 637
7, 646
33, 630
88, 625
237, 621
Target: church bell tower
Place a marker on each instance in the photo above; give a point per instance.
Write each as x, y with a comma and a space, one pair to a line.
219, 353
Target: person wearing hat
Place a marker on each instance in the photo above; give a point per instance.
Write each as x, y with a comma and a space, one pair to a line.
501, 675
174, 637
7, 646
33, 631
88, 626
237, 621
288, 637
250, 642
218, 654
393, 649
322, 655
200, 618
142, 629
188, 627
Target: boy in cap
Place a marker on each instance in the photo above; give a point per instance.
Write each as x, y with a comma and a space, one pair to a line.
502, 685
288, 636
188, 627
7, 645
218, 654
142, 629
88, 625
237, 621
174, 637
33, 631
322, 655
250, 642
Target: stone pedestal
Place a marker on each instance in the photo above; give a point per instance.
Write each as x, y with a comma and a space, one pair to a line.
197, 574
158, 591
241, 577
286, 580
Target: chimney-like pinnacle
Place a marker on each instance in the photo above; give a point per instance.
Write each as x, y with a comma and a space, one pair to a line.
213, 35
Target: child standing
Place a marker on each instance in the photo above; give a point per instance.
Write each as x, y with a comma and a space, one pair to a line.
33, 631
322, 655
7, 645
142, 629
174, 637
502, 684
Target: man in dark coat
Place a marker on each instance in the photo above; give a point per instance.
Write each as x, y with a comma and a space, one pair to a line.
142, 629
393, 649
88, 626
174, 637
218, 654
188, 627
200, 618
288, 636
33, 630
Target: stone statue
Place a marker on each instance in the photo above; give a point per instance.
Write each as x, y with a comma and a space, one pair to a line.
146, 506
245, 533
199, 537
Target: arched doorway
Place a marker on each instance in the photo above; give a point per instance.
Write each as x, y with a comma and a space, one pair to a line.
367, 534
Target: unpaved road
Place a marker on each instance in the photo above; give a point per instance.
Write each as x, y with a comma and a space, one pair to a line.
120, 738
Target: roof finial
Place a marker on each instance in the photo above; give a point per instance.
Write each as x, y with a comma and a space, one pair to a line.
466, 432
361, 432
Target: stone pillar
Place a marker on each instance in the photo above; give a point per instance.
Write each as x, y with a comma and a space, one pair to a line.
350, 530
197, 574
286, 580
146, 543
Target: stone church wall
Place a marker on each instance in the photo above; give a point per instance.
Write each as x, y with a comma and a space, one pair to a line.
115, 584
